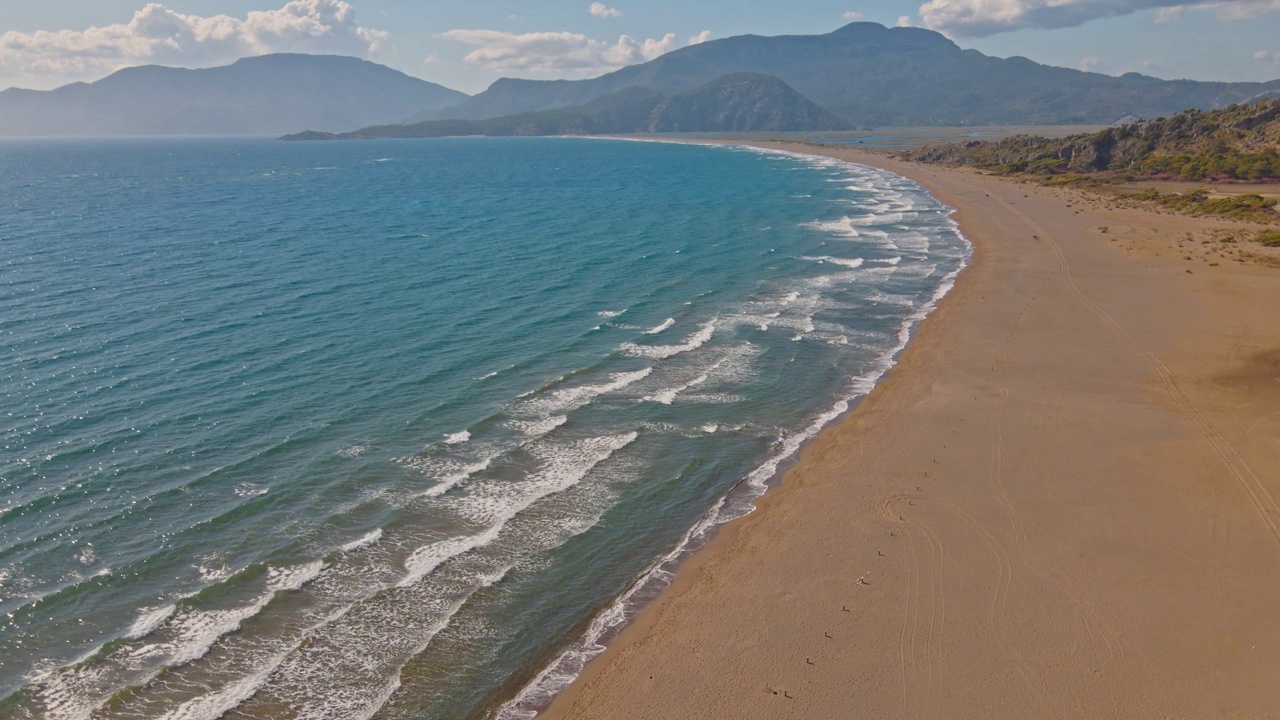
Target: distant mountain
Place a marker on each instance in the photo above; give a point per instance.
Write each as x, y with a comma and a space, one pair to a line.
868, 74
743, 102
270, 94
1240, 142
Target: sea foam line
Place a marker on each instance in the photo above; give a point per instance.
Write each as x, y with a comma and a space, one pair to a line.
662, 352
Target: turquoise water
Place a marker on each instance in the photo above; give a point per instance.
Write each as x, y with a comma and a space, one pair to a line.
404, 429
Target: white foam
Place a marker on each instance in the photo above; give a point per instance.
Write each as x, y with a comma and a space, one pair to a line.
149, 619
565, 399
842, 227
453, 474
457, 438
353, 451
843, 262
219, 703
610, 313
563, 467
429, 557
497, 504
363, 541
539, 427
211, 574
250, 490
192, 633
661, 352
657, 329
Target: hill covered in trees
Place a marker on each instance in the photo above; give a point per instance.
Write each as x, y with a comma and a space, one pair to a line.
744, 102
1238, 142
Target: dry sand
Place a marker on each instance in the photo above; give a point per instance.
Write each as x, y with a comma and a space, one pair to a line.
1062, 503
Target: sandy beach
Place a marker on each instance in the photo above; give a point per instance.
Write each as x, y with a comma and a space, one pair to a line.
1061, 503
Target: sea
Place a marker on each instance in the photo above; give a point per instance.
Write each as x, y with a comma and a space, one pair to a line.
406, 429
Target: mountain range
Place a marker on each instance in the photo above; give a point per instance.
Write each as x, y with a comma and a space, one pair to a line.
743, 102
871, 75
270, 94
865, 74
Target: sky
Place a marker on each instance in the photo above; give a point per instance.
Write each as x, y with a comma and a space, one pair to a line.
467, 44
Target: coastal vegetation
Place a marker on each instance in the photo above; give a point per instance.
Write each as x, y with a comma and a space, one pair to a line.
1224, 148
1235, 143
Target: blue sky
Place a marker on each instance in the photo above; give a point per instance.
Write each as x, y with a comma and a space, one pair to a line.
466, 44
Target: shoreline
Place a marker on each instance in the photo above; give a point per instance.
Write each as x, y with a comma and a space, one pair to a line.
606, 688
741, 499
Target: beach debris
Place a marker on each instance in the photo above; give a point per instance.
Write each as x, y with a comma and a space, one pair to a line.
880, 553
845, 608
809, 661
828, 635
863, 580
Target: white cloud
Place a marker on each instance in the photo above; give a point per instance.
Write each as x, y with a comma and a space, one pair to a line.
560, 53
905, 21
1088, 64
853, 16
1240, 9
601, 10
979, 18
1267, 56
157, 34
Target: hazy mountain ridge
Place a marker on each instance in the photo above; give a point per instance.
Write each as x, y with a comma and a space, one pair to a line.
269, 94
868, 74
743, 102
1239, 142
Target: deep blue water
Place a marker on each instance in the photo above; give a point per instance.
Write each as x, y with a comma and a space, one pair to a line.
386, 428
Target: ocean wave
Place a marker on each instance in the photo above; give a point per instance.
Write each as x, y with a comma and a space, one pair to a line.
449, 473
659, 328
426, 559
363, 541
539, 427
565, 399
457, 438
842, 227
843, 262
662, 352
77, 690
352, 452
250, 490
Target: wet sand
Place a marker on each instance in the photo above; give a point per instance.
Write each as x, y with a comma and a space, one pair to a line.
1062, 502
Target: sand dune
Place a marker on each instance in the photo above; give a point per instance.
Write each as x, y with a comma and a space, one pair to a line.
1064, 502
